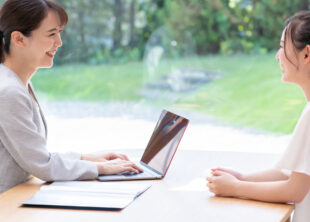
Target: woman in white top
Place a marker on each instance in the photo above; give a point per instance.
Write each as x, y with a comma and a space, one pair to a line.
275, 185
29, 38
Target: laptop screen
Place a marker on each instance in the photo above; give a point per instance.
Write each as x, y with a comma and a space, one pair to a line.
164, 141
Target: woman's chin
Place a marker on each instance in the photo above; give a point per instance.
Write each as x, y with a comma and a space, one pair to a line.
46, 66
284, 77
288, 80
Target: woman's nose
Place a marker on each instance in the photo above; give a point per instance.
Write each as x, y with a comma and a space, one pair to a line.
277, 55
58, 41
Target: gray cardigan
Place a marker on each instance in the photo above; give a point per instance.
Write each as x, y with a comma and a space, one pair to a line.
23, 135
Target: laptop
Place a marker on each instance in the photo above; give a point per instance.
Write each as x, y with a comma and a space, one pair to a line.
160, 150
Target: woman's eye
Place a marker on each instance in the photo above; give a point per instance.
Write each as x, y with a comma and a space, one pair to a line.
52, 34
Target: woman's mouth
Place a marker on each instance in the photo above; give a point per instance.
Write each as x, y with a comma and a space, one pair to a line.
51, 53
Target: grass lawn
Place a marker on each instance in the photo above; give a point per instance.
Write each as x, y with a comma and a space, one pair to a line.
90, 83
249, 94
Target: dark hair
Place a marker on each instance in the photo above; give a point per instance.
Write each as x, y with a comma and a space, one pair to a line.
25, 16
297, 28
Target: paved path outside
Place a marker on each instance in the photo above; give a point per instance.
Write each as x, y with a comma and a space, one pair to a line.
86, 127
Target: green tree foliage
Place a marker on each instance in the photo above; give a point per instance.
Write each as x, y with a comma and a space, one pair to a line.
267, 20
88, 33
118, 30
208, 25
230, 26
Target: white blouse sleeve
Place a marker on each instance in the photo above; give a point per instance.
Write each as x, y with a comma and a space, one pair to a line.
71, 155
297, 155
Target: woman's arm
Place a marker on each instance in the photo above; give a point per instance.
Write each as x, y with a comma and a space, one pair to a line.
25, 143
292, 190
111, 163
263, 176
267, 175
102, 157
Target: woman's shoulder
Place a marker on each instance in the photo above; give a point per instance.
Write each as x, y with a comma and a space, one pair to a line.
12, 91
303, 121
306, 112
10, 84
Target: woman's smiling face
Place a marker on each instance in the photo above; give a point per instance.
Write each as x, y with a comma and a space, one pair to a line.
286, 55
44, 41
294, 63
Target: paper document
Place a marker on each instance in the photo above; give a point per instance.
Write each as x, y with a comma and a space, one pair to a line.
87, 195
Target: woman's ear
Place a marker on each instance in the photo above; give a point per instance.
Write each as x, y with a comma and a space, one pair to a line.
306, 54
18, 39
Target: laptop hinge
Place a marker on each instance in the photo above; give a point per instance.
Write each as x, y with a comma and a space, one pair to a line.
150, 168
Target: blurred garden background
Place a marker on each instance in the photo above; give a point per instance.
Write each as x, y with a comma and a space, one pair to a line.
215, 57
211, 57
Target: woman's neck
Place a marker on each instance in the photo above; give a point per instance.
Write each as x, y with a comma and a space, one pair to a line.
306, 91
305, 86
20, 69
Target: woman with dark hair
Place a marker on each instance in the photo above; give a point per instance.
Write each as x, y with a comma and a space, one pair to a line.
277, 185
29, 38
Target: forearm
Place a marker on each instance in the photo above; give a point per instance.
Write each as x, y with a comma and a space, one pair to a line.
265, 191
292, 190
264, 176
58, 168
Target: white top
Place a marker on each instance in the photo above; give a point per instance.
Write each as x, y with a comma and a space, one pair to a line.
23, 135
297, 158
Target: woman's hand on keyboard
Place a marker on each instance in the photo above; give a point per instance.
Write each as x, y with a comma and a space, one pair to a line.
102, 157
116, 166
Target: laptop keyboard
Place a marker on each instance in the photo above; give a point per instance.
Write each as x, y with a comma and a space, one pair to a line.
145, 173
128, 174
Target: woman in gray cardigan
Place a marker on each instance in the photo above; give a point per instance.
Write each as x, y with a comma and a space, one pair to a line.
29, 38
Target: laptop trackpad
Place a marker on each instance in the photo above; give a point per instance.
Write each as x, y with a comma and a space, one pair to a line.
126, 173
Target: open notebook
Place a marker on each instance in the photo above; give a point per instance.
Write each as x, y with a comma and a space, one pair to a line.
87, 195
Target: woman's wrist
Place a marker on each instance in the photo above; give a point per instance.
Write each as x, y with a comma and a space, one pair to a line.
83, 157
242, 177
88, 157
236, 188
99, 168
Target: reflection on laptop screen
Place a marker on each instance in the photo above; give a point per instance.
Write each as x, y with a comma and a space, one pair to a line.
164, 141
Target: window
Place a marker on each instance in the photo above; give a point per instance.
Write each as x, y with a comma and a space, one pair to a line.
212, 61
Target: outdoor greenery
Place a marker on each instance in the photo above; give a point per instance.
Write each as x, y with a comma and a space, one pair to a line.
90, 83
250, 93
114, 49
117, 31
